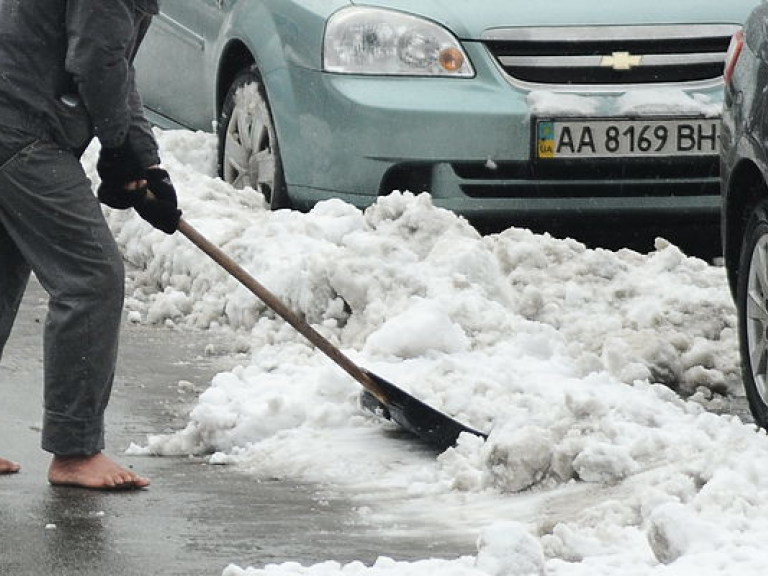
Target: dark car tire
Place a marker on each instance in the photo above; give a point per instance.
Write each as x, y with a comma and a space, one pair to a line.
249, 154
752, 307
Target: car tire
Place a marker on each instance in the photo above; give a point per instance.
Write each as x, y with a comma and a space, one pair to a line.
248, 151
752, 308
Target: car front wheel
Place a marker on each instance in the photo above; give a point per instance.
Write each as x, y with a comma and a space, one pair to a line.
752, 305
249, 155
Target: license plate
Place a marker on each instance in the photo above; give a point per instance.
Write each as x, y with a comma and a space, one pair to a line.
622, 138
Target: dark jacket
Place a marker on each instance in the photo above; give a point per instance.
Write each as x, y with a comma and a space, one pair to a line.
66, 69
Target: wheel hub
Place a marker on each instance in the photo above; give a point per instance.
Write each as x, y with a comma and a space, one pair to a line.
756, 316
249, 159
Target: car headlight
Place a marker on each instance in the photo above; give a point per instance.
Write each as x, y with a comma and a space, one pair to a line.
361, 40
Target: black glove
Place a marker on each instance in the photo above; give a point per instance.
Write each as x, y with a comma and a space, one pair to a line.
116, 196
158, 204
119, 166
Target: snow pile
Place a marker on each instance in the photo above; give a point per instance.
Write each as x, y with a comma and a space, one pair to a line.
592, 370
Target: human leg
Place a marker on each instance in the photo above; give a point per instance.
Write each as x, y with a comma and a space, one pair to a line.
48, 209
50, 212
14, 275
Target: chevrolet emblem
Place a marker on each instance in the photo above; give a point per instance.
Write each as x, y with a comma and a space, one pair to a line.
621, 61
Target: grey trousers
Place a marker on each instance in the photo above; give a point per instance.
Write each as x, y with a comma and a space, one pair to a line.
51, 224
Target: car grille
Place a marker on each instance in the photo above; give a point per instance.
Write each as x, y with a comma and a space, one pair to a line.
611, 55
628, 179
602, 178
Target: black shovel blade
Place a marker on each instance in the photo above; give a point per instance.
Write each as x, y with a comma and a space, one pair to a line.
430, 425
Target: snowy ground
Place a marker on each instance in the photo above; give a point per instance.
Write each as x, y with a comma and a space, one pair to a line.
592, 370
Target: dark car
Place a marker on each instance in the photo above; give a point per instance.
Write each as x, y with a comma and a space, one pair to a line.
744, 188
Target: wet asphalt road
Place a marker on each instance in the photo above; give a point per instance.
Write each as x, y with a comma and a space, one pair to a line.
195, 519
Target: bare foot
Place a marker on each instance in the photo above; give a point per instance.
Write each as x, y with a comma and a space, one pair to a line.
8, 467
98, 472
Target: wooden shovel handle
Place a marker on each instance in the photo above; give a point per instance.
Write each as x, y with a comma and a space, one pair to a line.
282, 310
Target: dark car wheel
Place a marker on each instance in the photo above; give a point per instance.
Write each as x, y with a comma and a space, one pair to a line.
752, 305
248, 150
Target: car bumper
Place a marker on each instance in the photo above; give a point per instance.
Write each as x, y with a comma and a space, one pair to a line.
469, 143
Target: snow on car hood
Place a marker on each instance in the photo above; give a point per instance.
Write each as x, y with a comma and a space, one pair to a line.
469, 19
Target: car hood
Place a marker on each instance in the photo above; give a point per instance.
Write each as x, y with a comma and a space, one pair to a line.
468, 19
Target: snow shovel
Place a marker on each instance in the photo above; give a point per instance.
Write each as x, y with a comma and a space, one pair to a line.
380, 396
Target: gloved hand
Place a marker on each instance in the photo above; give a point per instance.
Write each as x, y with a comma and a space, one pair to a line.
155, 202
158, 206
117, 196
118, 166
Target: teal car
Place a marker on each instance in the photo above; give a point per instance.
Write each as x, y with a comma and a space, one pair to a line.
498, 108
